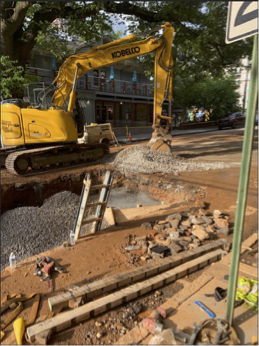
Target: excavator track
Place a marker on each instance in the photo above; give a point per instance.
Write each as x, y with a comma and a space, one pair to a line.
51, 159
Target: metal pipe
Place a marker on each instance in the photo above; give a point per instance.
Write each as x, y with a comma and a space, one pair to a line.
243, 184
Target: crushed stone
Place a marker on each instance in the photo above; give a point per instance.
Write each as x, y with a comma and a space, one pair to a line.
141, 159
28, 231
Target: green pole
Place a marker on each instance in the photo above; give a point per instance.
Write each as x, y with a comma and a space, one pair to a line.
243, 183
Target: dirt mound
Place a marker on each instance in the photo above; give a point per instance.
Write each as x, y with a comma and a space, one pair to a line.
141, 159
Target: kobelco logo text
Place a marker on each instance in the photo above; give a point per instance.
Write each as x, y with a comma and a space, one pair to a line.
124, 52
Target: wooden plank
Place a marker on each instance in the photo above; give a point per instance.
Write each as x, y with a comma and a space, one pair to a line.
248, 270
247, 243
136, 335
57, 303
109, 217
130, 214
67, 319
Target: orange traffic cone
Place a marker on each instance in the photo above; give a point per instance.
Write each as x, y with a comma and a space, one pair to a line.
130, 139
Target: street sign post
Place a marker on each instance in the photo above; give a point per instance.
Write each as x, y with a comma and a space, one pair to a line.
242, 20
242, 23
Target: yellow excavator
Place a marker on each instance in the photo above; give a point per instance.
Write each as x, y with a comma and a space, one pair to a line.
37, 139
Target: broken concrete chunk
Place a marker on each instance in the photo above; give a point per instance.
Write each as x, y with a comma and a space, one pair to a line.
210, 229
202, 212
181, 232
186, 223
217, 213
175, 248
173, 216
159, 228
188, 232
196, 241
168, 241
207, 220
147, 226
174, 223
160, 250
195, 220
174, 235
152, 234
167, 225
183, 243
223, 230
197, 228
188, 239
200, 234
183, 228
221, 223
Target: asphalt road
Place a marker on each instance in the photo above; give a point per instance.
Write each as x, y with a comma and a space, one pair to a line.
174, 133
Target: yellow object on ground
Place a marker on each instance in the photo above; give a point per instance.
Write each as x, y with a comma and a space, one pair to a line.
19, 329
247, 290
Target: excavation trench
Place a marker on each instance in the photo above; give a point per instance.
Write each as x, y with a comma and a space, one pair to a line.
44, 213
128, 190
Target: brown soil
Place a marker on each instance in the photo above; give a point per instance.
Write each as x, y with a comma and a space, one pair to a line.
99, 256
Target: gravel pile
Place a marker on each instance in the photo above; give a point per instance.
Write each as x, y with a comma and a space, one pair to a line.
28, 231
141, 159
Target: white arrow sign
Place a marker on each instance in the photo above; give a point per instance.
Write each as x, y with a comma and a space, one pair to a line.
242, 20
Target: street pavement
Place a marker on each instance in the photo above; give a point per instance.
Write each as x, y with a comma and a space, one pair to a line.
174, 132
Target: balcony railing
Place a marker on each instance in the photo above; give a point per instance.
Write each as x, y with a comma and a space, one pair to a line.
99, 84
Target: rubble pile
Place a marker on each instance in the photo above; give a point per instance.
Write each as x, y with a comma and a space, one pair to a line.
119, 322
141, 159
178, 232
28, 231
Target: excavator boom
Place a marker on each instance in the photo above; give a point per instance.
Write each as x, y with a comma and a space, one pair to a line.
46, 139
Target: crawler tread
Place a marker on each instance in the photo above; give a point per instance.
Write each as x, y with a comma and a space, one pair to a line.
11, 160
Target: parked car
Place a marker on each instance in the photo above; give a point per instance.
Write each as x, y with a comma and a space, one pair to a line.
256, 120
232, 120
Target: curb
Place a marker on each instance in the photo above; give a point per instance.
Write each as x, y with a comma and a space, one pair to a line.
174, 135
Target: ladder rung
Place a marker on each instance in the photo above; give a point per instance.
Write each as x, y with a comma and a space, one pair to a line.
91, 205
98, 187
91, 220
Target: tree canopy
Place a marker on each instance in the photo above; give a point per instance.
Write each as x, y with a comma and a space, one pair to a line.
200, 28
199, 49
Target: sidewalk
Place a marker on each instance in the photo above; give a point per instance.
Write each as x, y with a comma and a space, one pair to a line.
174, 132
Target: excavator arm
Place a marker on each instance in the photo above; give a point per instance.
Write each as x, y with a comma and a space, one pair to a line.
77, 65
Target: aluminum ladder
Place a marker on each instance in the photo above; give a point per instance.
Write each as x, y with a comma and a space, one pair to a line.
100, 206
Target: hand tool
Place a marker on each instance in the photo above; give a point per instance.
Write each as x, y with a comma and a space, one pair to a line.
222, 325
44, 266
196, 330
203, 307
